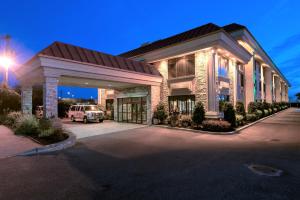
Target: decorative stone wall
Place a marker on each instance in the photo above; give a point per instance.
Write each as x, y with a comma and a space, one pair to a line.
26, 99
201, 77
50, 97
152, 102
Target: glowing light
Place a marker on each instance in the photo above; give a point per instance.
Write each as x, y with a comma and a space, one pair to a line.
6, 61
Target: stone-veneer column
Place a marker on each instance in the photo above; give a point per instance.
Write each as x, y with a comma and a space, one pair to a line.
50, 97
277, 89
201, 77
162, 67
26, 99
268, 82
249, 83
152, 101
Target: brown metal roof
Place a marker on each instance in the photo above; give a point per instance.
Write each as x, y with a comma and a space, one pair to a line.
181, 37
75, 53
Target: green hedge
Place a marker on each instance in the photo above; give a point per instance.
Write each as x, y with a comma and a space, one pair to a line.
9, 101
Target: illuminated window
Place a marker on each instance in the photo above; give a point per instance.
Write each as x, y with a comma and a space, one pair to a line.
223, 67
181, 67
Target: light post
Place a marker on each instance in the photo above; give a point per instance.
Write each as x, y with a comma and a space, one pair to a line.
6, 62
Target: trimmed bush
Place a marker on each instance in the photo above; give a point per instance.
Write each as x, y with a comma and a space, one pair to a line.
216, 125
239, 120
198, 114
252, 107
259, 114
251, 117
275, 110
27, 125
229, 114
12, 118
240, 108
266, 112
270, 111
174, 119
186, 120
160, 113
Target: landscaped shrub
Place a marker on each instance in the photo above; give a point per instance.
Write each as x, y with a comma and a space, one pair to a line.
160, 113
222, 105
259, 114
252, 107
174, 119
251, 117
216, 125
266, 112
275, 110
28, 125
186, 120
229, 114
12, 119
240, 108
198, 114
270, 111
239, 120
9, 101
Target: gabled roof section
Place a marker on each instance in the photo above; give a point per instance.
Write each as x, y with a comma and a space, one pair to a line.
181, 37
233, 27
83, 55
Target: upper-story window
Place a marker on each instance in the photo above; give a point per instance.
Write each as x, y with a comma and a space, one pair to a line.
223, 67
181, 67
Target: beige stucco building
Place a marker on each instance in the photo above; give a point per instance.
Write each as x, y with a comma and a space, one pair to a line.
208, 64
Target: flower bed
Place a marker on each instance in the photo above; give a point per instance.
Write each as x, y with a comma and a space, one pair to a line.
45, 131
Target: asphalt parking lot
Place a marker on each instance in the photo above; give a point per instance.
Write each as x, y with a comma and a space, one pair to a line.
159, 163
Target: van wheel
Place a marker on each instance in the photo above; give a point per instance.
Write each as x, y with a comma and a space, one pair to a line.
100, 120
72, 118
85, 120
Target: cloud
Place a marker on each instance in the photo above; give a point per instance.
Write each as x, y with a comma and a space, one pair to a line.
289, 43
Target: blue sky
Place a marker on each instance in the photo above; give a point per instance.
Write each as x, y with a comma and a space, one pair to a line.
117, 26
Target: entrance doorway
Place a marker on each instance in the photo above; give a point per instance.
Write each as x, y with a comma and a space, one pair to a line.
132, 110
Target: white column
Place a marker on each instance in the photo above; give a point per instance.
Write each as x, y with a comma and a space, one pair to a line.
26, 99
50, 97
249, 84
277, 89
269, 85
262, 79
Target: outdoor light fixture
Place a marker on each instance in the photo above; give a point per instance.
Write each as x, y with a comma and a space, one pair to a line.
6, 61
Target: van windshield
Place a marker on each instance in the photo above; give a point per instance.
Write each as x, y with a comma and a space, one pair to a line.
91, 108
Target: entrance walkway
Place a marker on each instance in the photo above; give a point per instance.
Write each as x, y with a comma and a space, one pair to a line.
82, 130
10, 144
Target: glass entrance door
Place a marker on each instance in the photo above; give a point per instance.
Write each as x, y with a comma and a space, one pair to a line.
132, 110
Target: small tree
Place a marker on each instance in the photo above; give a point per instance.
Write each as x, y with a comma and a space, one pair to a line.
229, 114
160, 112
240, 108
198, 114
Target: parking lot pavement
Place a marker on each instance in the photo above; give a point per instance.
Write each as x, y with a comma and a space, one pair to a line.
159, 163
82, 130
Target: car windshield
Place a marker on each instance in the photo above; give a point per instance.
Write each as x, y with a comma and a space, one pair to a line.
91, 108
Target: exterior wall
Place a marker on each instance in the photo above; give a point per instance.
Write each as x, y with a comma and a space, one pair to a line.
249, 84
102, 98
50, 97
152, 102
26, 98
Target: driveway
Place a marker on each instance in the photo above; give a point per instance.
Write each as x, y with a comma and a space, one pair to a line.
10, 144
158, 163
82, 130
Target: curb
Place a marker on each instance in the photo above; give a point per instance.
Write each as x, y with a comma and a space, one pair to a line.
221, 133
51, 147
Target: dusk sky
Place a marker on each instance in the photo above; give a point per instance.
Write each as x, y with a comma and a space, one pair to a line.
117, 26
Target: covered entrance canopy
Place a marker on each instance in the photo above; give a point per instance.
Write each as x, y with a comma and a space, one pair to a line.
64, 64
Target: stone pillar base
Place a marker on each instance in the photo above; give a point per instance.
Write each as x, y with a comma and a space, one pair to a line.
26, 99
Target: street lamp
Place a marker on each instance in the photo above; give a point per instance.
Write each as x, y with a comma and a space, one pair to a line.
6, 62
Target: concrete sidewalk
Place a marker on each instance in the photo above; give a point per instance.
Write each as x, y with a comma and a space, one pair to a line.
10, 144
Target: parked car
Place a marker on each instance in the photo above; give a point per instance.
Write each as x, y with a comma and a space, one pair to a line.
86, 113
39, 112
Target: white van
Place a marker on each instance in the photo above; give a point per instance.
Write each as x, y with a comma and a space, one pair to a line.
86, 113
